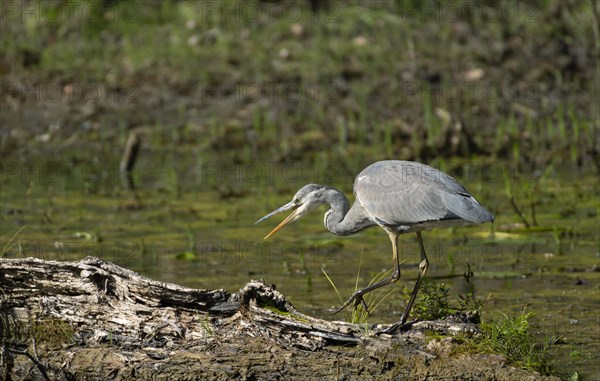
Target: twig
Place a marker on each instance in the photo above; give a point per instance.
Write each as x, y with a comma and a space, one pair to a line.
41, 367
519, 212
533, 218
130, 154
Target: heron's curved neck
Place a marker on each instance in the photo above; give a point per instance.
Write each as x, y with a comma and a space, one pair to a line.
338, 220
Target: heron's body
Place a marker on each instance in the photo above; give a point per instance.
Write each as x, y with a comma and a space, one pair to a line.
400, 197
406, 196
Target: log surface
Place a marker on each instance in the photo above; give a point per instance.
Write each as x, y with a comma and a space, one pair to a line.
94, 320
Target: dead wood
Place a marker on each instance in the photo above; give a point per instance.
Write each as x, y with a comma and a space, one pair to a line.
94, 320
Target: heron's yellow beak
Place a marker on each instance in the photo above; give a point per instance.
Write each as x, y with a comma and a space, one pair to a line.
287, 220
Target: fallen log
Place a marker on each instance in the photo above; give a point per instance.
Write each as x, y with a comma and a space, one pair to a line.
94, 320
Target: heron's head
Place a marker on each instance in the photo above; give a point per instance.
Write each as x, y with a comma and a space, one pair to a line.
306, 199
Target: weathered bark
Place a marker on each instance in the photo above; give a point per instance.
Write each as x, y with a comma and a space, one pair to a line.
94, 320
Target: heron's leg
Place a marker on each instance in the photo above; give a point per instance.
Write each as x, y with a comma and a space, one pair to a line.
423, 266
357, 297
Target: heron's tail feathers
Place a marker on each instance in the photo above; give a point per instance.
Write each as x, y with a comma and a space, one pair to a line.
467, 207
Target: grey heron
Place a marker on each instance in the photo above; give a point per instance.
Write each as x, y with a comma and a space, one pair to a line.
398, 196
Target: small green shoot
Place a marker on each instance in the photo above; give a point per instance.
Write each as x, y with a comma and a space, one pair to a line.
451, 261
334, 287
469, 301
11, 242
511, 338
204, 320
432, 301
372, 299
190, 253
557, 239
191, 239
306, 272
580, 356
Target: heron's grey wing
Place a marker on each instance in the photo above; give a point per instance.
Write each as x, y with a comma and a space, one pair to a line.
395, 205
400, 192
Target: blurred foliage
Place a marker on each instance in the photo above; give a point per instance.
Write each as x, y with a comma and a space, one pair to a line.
290, 80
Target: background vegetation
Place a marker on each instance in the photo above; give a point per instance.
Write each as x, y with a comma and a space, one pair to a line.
284, 81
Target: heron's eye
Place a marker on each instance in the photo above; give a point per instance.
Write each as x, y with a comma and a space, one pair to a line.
297, 200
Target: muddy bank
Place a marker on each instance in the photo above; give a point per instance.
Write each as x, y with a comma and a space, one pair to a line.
94, 320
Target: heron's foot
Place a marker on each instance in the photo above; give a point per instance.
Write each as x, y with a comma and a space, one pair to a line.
398, 327
357, 299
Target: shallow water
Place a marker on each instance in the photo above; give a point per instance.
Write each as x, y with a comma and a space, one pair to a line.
194, 225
